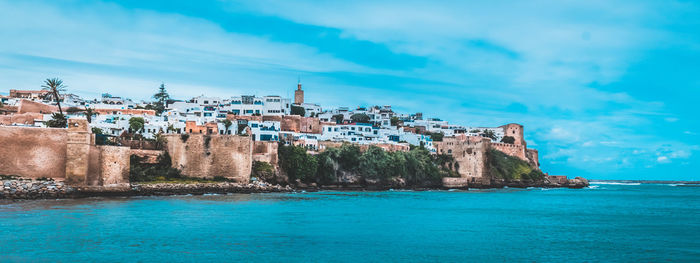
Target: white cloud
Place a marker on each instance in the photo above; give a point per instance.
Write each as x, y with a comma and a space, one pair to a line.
111, 48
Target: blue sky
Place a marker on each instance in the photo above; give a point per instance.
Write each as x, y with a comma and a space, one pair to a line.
605, 89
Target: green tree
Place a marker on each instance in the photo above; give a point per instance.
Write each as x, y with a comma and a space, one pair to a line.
360, 118
298, 110
160, 140
435, 136
263, 171
349, 157
488, 134
227, 124
136, 124
328, 166
338, 118
394, 121
241, 128
140, 171
162, 98
55, 87
508, 139
89, 112
375, 164
297, 164
57, 120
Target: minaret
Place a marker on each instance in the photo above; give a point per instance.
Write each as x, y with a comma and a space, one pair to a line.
299, 94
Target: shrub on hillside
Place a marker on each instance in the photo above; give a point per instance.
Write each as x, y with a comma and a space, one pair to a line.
503, 166
417, 167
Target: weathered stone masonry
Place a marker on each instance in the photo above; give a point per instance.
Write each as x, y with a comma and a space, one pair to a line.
208, 156
469, 153
63, 154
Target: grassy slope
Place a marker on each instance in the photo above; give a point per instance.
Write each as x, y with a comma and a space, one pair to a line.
502, 166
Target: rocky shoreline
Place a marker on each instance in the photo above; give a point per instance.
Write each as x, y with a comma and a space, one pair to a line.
50, 189
35, 189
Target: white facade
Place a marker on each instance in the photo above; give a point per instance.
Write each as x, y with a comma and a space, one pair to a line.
265, 130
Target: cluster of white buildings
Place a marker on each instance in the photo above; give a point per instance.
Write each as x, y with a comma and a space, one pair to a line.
260, 117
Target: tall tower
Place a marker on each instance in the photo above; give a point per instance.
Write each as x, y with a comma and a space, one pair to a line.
299, 94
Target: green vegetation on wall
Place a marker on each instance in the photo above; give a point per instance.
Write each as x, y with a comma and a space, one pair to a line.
263, 171
503, 166
159, 171
416, 167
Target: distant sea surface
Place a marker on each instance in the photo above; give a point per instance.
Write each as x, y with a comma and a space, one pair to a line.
606, 222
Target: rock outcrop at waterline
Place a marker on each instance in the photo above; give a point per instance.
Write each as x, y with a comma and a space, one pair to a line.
34, 189
49, 189
206, 188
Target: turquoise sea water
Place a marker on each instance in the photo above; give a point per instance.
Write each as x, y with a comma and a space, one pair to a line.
628, 223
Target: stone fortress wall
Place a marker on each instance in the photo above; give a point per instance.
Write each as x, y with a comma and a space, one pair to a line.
27, 118
33, 152
469, 153
68, 155
208, 156
266, 152
71, 155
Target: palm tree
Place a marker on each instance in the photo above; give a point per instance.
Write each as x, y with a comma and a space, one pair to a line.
55, 87
227, 123
89, 112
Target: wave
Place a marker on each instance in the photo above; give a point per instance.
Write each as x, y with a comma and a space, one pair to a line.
615, 183
691, 185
